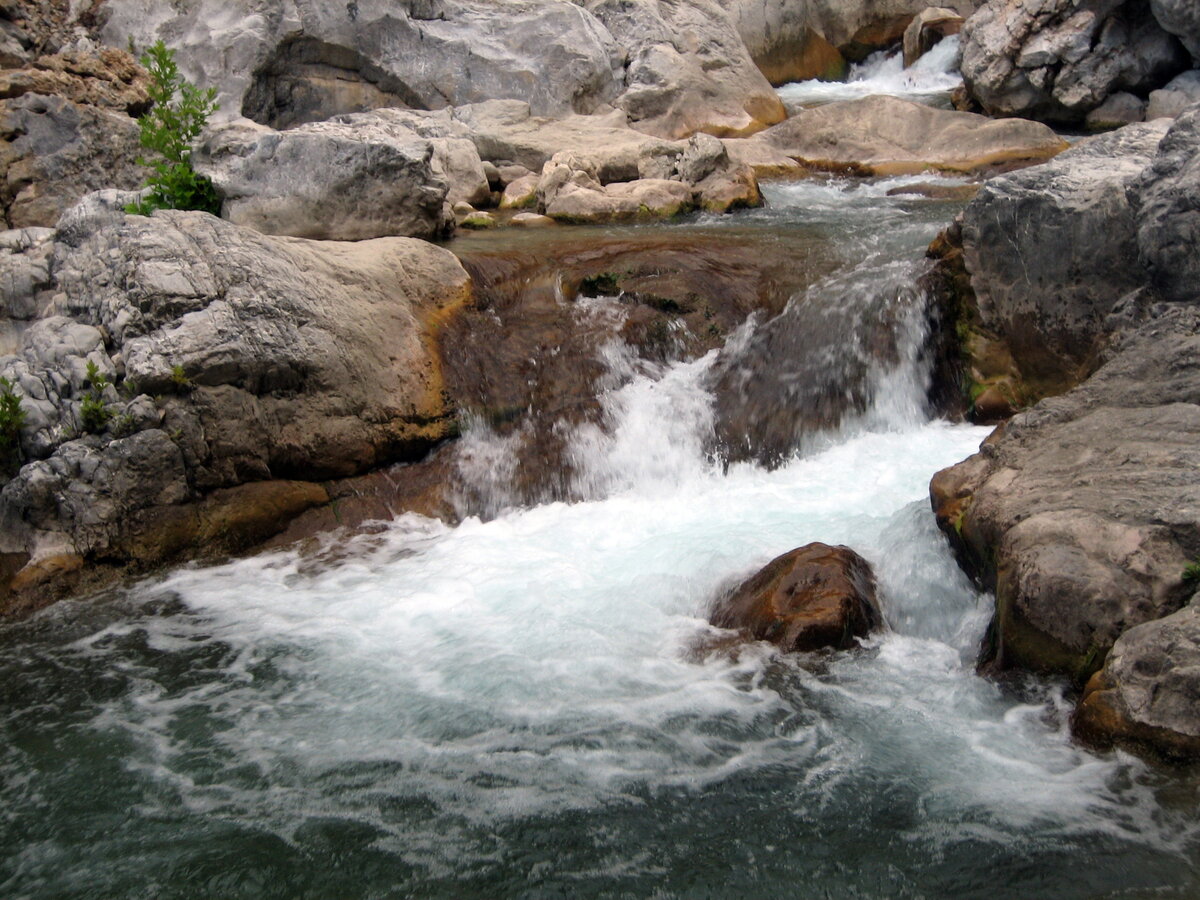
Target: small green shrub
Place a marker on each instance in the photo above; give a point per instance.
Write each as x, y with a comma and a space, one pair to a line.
12, 420
94, 413
179, 380
1191, 573
179, 114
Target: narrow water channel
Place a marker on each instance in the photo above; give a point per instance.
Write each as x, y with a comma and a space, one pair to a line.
515, 706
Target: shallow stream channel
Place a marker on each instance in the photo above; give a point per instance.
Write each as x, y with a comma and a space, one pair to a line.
520, 705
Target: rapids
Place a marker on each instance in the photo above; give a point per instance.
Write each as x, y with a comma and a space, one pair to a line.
515, 706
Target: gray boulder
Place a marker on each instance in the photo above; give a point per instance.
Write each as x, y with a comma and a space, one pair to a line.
1057, 60
1121, 108
1082, 512
1050, 251
1173, 98
234, 362
1180, 18
687, 70
358, 177
1147, 695
53, 151
1167, 199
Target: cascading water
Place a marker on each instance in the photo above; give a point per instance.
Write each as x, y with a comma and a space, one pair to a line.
931, 79
516, 707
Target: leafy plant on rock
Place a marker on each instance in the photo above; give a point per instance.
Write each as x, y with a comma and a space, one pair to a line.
179, 113
12, 420
93, 411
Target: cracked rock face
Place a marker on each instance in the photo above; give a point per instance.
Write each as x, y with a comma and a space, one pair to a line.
228, 358
1057, 60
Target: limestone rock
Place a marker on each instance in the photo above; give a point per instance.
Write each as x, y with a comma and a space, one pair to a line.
1051, 250
1173, 98
1059, 59
688, 69
347, 179
55, 151
240, 357
283, 64
1147, 695
813, 597
1119, 109
1082, 512
1180, 18
108, 78
520, 193
887, 136
1167, 200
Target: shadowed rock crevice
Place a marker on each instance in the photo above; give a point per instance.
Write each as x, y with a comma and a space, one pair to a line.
309, 80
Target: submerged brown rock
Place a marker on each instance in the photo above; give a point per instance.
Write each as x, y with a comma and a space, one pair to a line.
810, 598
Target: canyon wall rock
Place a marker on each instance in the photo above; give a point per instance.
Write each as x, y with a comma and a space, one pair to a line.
282, 63
1056, 60
675, 66
888, 136
1182, 19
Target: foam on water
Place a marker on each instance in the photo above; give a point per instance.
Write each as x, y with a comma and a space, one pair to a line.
930, 79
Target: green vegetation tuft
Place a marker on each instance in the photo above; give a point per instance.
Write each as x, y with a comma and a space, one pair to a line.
179, 114
603, 284
93, 411
12, 420
1191, 573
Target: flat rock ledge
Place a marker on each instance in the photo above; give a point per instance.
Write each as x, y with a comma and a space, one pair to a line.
811, 598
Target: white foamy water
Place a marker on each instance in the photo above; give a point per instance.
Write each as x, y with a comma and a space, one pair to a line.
930, 79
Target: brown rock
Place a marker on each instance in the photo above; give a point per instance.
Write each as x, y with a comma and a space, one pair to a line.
813, 597
108, 78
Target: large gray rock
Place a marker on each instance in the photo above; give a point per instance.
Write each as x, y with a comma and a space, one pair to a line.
886, 136
1057, 60
233, 358
1173, 98
282, 63
687, 70
1180, 18
1082, 512
55, 151
1147, 695
361, 176
1167, 198
1050, 251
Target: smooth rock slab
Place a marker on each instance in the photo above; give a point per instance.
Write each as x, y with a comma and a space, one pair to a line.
810, 598
889, 136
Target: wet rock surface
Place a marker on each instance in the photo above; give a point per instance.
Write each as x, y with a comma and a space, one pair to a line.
812, 598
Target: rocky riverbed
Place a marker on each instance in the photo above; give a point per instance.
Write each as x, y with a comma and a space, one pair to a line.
448, 253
